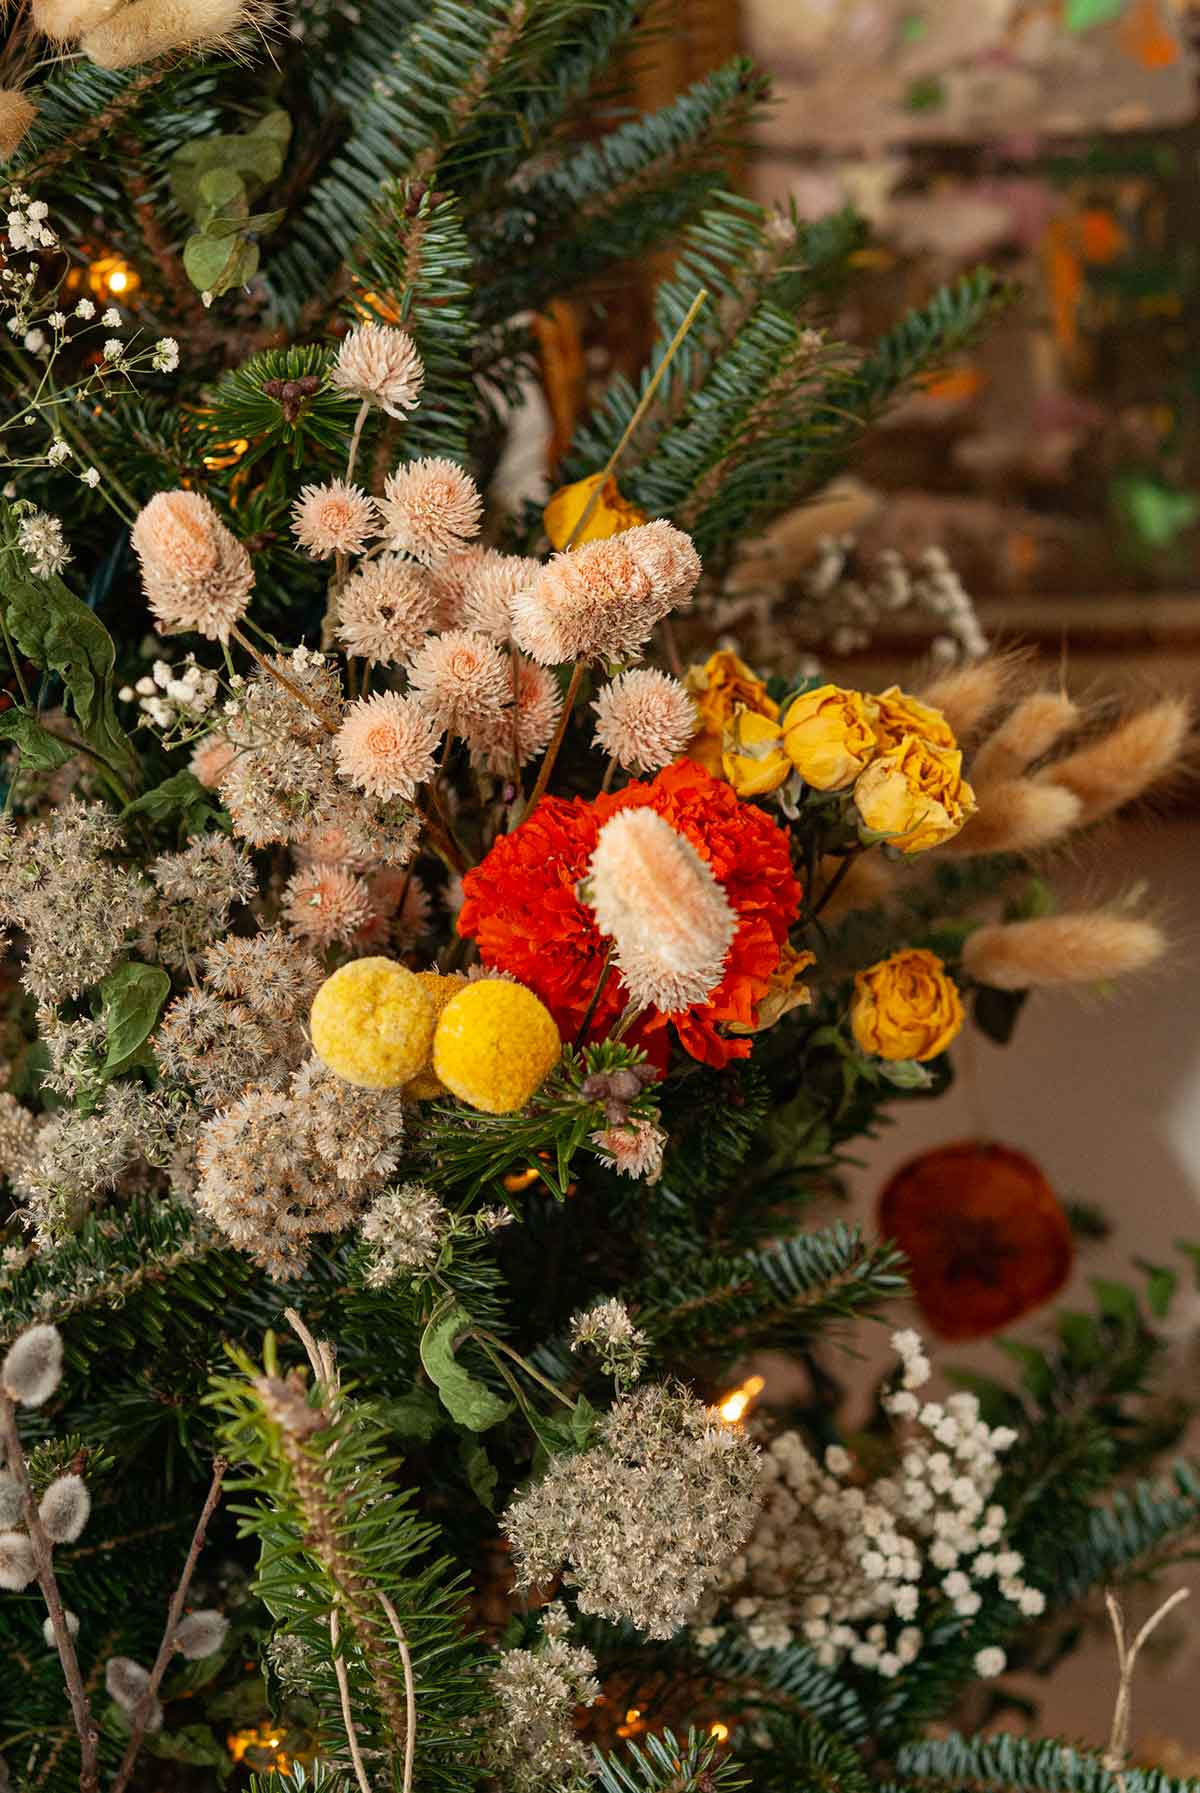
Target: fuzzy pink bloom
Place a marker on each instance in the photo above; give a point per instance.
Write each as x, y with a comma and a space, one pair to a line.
644, 720
386, 745
336, 518
331, 845
634, 1149
379, 362
400, 910
670, 922
196, 573
386, 610
462, 680
431, 508
669, 560
490, 590
324, 904
596, 603
212, 759
524, 732
450, 579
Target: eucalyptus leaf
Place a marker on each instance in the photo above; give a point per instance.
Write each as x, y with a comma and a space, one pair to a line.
414, 1415
482, 1474
54, 629
215, 265
179, 798
132, 996
256, 156
470, 1403
40, 750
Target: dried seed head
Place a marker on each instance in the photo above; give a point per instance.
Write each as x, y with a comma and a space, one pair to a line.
201, 1634
64, 1509
1016, 816
1084, 948
127, 1682
17, 113
17, 1567
32, 1369
11, 1502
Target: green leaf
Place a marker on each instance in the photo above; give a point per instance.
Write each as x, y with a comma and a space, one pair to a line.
217, 264
1081, 15
194, 1743
583, 1423
1161, 1284
414, 1415
470, 1403
1117, 1301
40, 750
903, 1073
481, 1472
133, 996
181, 797
255, 156
60, 634
996, 1011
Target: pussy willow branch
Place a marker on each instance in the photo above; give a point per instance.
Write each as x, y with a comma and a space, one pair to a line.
43, 1556
145, 1705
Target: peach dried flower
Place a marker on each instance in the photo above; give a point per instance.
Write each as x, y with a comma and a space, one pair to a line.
645, 719
462, 680
386, 745
336, 518
195, 572
431, 508
386, 609
380, 362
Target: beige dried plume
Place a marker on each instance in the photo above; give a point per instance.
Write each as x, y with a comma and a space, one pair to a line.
970, 694
1032, 727
1016, 816
66, 20
1087, 947
17, 113
1123, 764
144, 29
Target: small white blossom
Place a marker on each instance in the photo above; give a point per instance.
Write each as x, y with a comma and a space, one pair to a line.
990, 1662
85, 309
91, 477
111, 318
165, 358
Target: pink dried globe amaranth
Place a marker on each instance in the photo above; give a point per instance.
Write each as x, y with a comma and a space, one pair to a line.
211, 759
450, 579
326, 904
462, 680
195, 572
386, 610
490, 589
593, 604
524, 730
668, 558
380, 363
633, 1148
334, 518
431, 508
644, 719
670, 922
386, 745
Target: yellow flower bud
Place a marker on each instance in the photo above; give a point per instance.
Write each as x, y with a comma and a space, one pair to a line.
372, 1023
915, 796
753, 759
494, 1044
425, 1086
898, 715
905, 1007
611, 514
829, 736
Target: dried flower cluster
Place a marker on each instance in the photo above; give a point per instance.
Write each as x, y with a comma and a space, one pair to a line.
645, 1522
863, 1571
535, 1746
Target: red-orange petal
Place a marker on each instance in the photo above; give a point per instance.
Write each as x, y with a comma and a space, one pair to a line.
985, 1237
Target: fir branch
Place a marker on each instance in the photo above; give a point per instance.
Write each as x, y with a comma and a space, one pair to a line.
1143, 1528
666, 1765
1008, 1764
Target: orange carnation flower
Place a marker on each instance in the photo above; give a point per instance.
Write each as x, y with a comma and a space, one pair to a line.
522, 908
985, 1237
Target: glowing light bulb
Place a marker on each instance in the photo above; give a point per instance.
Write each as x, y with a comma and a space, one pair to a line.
719, 1731
737, 1403
111, 277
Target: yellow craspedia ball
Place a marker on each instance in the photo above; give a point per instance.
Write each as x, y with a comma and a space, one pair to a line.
495, 1043
441, 987
372, 1023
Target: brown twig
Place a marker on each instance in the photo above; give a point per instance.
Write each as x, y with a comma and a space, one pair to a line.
145, 1705
410, 1688
43, 1555
282, 679
1117, 1753
343, 1683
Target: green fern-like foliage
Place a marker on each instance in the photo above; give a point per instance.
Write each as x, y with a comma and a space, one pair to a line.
323, 1494
1007, 1764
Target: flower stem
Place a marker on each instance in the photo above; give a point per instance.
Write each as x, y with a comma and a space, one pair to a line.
551, 753
282, 679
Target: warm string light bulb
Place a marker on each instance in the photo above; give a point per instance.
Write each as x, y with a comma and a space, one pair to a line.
261, 1739
112, 277
734, 1406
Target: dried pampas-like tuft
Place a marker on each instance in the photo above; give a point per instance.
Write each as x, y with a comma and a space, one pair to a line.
66, 20
1016, 816
1123, 764
1087, 947
970, 694
1035, 725
149, 28
17, 113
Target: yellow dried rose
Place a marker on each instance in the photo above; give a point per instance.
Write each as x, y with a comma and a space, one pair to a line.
829, 736
784, 992
610, 515
915, 797
905, 1007
897, 714
722, 685
753, 759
